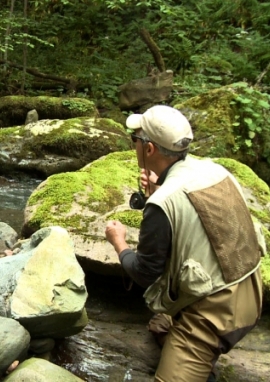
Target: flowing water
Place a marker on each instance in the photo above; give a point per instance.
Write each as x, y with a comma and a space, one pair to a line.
14, 193
111, 347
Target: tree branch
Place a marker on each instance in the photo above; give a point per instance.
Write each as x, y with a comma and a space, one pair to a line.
34, 72
154, 49
263, 73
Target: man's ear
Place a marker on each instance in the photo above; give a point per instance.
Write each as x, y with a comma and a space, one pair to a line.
150, 149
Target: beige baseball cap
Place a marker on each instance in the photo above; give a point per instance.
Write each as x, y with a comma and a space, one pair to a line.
164, 125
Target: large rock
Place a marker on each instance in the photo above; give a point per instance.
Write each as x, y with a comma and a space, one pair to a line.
40, 370
14, 109
43, 285
55, 146
8, 237
14, 340
149, 90
231, 121
85, 200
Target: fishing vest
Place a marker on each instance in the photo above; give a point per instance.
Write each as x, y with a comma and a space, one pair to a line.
214, 244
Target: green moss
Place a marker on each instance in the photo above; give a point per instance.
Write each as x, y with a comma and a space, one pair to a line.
129, 218
97, 187
15, 108
211, 117
76, 135
227, 373
84, 138
262, 216
56, 197
247, 178
223, 120
9, 133
265, 269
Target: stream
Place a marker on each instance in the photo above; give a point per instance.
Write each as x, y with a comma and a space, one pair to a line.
14, 193
116, 346
113, 346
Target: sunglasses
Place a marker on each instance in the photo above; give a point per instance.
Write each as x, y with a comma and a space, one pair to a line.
135, 137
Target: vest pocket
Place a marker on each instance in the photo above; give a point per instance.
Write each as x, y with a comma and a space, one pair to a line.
194, 279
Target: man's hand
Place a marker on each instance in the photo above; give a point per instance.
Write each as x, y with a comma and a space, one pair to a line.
148, 181
116, 233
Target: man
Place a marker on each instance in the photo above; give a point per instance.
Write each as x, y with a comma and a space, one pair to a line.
198, 253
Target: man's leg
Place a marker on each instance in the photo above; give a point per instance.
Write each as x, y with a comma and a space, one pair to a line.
206, 329
184, 357
159, 326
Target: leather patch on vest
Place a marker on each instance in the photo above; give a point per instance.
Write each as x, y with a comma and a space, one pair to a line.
229, 227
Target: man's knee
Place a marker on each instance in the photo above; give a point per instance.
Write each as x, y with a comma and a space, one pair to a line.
159, 326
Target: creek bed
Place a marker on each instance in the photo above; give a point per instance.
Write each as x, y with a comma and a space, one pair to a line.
14, 193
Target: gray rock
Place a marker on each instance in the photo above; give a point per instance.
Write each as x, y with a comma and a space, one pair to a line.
55, 146
48, 108
8, 237
152, 89
40, 370
14, 340
46, 301
42, 345
50, 292
32, 116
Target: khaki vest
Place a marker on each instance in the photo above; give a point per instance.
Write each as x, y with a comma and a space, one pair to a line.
214, 244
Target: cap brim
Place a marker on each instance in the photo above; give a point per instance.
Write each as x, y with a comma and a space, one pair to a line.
134, 121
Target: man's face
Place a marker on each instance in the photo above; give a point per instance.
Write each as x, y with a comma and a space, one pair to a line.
139, 147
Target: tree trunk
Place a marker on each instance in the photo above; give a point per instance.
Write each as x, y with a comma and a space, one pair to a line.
154, 49
8, 30
263, 73
25, 6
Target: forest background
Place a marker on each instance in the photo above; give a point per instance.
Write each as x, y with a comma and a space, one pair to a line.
90, 47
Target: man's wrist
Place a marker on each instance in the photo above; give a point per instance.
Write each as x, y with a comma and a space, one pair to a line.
120, 246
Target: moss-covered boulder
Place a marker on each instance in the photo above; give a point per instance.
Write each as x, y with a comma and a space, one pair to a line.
54, 146
85, 200
232, 121
13, 109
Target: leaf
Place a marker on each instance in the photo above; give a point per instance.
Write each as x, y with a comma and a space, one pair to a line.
248, 121
243, 100
240, 85
251, 134
249, 90
263, 104
236, 124
249, 110
216, 78
248, 142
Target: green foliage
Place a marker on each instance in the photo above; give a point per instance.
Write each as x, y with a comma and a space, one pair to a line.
207, 44
251, 119
74, 105
16, 24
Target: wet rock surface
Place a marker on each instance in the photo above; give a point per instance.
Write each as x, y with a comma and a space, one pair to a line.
14, 192
116, 346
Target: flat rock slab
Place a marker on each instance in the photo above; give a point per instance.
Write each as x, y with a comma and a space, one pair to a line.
250, 359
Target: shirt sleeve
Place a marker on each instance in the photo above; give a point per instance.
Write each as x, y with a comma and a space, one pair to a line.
146, 264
